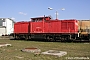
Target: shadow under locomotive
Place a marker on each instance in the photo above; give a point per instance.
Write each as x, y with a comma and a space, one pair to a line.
52, 38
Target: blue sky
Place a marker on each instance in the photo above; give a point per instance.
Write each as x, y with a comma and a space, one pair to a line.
23, 10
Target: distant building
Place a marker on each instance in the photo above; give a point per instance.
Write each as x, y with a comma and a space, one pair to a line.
6, 26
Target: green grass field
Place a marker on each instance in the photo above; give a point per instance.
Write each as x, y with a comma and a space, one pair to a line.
14, 53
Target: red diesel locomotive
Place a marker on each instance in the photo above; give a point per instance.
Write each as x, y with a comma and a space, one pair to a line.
48, 29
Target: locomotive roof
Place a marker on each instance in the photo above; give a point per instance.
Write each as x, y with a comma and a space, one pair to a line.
41, 17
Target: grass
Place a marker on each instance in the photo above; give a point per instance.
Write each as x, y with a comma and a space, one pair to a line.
14, 53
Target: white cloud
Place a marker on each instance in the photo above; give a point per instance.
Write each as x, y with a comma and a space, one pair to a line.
12, 18
63, 9
22, 13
